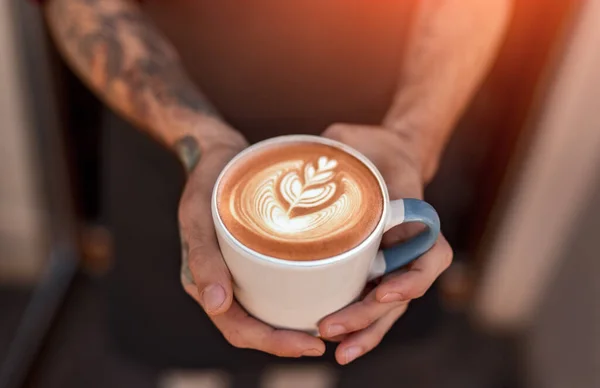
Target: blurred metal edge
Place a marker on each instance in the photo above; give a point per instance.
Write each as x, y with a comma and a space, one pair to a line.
42, 90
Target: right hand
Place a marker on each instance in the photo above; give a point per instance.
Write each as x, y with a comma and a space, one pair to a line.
205, 276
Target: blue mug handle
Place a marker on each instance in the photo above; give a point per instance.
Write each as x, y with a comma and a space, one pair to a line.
407, 210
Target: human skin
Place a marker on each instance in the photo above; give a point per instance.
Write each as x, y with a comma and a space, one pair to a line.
135, 71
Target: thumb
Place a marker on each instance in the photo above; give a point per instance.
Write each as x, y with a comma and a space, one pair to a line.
204, 273
211, 277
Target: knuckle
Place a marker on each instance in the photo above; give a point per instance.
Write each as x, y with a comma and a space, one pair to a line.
447, 257
194, 265
196, 253
360, 322
336, 131
335, 128
200, 243
235, 339
182, 219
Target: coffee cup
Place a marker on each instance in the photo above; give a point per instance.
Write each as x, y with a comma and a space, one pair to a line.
299, 220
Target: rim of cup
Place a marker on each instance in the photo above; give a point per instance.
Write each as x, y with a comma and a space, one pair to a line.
377, 232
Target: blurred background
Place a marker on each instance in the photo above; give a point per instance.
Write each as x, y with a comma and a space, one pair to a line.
518, 192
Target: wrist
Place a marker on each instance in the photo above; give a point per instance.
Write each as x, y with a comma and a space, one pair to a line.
209, 136
421, 140
213, 133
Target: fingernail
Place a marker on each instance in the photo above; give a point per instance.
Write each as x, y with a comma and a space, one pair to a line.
213, 297
335, 330
391, 297
312, 353
352, 354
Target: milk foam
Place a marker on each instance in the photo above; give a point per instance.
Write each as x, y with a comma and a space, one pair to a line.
297, 200
300, 201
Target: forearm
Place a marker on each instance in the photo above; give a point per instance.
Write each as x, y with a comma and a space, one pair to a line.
134, 70
451, 47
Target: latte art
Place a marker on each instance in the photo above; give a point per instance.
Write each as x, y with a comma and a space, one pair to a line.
294, 200
298, 200
316, 189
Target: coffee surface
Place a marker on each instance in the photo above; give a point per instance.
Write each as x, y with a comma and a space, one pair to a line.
299, 201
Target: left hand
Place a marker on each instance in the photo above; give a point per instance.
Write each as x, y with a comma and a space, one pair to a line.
361, 326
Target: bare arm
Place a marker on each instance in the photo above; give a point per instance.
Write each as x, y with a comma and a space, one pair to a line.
134, 70
451, 48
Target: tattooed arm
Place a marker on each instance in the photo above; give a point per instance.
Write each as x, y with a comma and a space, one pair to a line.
135, 71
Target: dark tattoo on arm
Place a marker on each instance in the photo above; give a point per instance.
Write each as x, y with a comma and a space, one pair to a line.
189, 152
186, 273
120, 54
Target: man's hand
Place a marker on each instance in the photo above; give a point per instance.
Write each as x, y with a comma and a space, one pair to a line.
361, 326
205, 276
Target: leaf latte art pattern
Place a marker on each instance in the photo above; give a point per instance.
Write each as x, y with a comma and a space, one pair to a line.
297, 200
316, 188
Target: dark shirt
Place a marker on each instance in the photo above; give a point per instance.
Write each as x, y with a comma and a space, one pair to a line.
273, 67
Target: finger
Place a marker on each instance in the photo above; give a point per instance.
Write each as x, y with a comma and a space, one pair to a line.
243, 331
212, 278
204, 274
355, 317
338, 338
362, 342
203, 266
187, 277
414, 282
205, 277
400, 233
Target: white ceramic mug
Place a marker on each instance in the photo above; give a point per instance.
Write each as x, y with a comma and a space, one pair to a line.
298, 294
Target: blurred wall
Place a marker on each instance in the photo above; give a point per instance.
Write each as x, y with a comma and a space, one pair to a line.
543, 259
563, 344
21, 214
551, 183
